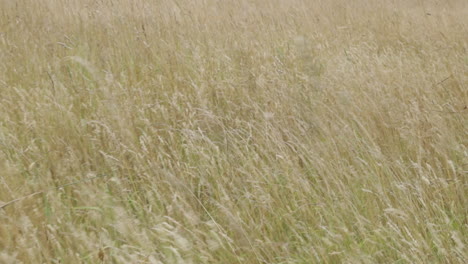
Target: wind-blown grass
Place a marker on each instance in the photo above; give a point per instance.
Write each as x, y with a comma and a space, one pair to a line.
284, 131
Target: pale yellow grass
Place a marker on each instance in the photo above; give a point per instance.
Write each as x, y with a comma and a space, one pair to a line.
260, 131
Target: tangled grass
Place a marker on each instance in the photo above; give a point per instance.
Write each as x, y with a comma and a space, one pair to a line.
262, 131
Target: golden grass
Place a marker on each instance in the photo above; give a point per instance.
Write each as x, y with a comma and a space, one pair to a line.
249, 131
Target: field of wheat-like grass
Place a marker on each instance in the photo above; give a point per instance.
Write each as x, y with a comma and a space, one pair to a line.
247, 131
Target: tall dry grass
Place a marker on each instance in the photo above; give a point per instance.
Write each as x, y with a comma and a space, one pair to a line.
260, 131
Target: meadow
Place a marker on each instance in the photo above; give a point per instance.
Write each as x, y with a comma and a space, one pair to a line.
247, 131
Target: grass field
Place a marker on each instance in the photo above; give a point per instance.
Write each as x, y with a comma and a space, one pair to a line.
247, 131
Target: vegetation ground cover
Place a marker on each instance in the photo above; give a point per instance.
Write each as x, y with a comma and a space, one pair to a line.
205, 131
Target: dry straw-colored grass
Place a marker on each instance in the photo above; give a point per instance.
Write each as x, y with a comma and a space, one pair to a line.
248, 131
